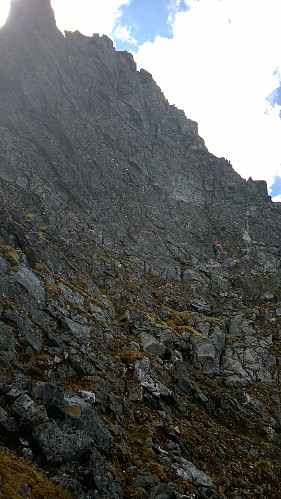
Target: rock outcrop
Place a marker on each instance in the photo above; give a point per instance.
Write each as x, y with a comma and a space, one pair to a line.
132, 364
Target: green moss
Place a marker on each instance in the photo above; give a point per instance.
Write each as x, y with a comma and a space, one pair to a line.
20, 479
191, 330
132, 452
44, 228
276, 349
3, 301
29, 217
130, 356
41, 267
41, 231
52, 289
156, 322
36, 364
81, 284
11, 254
91, 299
231, 337
178, 323
179, 318
212, 320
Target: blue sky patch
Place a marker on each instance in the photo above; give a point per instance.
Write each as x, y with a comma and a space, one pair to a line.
275, 188
143, 20
274, 98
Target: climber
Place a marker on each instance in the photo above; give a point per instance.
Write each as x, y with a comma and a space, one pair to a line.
217, 248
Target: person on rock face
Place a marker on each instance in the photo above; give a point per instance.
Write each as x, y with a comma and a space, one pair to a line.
217, 248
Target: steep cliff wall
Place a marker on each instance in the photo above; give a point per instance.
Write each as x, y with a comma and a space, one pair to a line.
132, 364
83, 131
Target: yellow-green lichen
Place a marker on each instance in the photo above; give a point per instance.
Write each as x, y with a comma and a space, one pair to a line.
10, 253
22, 480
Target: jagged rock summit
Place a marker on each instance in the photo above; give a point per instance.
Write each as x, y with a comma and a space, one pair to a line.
107, 143
132, 364
31, 15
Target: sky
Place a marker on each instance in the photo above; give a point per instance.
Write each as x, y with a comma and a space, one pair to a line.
218, 60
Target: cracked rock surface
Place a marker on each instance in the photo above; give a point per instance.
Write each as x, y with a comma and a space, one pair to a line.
132, 364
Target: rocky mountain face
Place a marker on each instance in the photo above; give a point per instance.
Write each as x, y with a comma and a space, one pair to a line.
133, 365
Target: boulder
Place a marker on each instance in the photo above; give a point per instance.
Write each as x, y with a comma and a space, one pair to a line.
152, 345
190, 473
28, 412
60, 443
7, 423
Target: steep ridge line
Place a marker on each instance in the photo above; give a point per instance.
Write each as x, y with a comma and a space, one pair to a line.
132, 364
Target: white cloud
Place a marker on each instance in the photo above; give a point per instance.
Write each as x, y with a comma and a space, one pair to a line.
87, 16
123, 33
277, 198
173, 8
219, 67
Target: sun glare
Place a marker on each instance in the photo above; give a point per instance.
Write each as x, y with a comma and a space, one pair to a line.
4, 10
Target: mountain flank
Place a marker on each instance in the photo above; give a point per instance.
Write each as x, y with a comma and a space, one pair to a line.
133, 365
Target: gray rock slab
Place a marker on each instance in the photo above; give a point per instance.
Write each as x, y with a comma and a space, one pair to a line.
3, 264
86, 418
8, 344
80, 331
152, 345
189, 472
31, 283
75, 298
162, 491
27, 329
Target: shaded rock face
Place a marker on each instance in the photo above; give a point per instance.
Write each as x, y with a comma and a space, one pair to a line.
132, 364
105, 149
